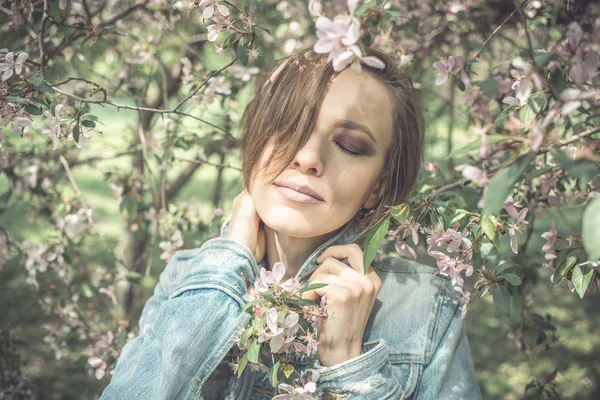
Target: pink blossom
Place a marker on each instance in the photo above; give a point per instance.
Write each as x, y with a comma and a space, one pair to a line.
10, 65
451, 66
517, 226
464, 301
55, 131
273, 277
99, 365
452, 267
272, 321
338, 38
213, 31
315, 8
474, 174
209, 7
570, 100
550, 237
404, 250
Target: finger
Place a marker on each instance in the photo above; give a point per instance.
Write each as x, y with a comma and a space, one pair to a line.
335, 289
369, 283
352, 252
335, 267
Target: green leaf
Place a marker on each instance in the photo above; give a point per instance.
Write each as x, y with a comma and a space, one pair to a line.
76, 133
36, 80
288, 369
535, 104
558, 80
458, 214
583, 110
513, 279
264, 29
45, 88
489, 227
503, 182
88, 123
241, 51
581, 278
253, 351
273, 374
373, 240
489, 252
490, 87
501, 299
302, 302
246, 335
312, 287
86, 290
503, 115
242, 364
503, 267
476, 144
400, 213
33, 110
590, 230
362, 10
541, 59
564, 265
15, 99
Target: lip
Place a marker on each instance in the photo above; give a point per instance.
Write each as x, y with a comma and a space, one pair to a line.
301, 193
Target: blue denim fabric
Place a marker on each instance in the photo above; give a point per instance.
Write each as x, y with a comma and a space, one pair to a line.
414, 347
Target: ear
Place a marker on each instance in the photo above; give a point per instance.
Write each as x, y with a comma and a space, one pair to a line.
375, 194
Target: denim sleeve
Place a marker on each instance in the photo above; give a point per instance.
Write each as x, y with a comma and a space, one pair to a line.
368, 376
450, 374
184, 336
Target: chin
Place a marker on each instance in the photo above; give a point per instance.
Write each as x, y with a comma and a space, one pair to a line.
292, 222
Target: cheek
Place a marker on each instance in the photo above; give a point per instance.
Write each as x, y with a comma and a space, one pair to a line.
353, 185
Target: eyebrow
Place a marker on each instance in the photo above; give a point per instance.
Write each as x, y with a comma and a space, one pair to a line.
349, 124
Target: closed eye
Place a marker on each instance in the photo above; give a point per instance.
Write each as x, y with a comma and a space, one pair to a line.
345, 150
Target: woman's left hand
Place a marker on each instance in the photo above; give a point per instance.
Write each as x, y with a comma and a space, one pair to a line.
349, 298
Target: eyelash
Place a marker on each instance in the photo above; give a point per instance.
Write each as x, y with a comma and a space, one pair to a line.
345, 150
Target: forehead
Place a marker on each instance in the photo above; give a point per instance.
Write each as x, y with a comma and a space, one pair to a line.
361, 98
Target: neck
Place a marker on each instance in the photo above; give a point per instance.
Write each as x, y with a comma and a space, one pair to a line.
291, 251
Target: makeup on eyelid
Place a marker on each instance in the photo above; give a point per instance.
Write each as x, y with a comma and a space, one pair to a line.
354, 145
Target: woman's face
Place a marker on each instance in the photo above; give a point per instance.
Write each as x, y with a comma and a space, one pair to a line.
356, 115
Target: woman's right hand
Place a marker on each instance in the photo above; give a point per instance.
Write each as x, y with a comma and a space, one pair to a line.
245, 226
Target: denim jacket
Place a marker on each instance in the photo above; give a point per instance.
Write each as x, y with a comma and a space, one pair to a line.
414, 346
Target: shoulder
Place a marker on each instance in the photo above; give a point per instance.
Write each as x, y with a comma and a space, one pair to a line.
414, 309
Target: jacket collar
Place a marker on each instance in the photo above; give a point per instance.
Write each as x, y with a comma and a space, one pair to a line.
349, 233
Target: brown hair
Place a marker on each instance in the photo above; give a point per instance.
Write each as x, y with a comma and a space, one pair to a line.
286, 107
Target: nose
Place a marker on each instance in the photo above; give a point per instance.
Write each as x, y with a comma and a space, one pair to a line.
309, 160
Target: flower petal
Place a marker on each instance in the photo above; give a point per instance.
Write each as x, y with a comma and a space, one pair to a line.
372, 61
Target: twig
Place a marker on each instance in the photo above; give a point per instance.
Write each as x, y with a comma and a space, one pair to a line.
208, 163
556, 145
65, 164
204, 83
542, 74
149, 109
84, 80
41, 41
494, 33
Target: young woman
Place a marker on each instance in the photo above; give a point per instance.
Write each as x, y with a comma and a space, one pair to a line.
324, 154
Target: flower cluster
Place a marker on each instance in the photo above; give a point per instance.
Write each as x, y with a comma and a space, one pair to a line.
339, 38
9, 65
282, 323
451, 66
519, 222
